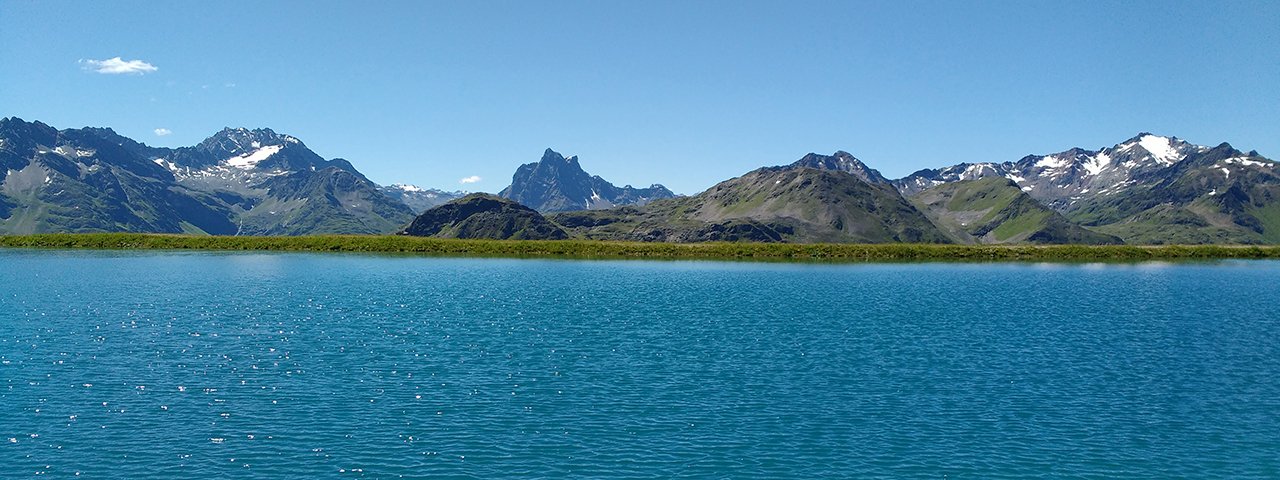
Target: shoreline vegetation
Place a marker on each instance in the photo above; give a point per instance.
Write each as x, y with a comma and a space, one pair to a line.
588, 249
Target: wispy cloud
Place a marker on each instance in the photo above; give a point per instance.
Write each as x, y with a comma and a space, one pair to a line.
116, 66
471, 179
160, 132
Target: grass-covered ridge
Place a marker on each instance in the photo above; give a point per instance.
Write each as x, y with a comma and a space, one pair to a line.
994, 210
607, 249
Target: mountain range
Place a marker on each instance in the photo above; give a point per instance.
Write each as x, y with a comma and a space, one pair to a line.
419, 199
236, 182
1149, 189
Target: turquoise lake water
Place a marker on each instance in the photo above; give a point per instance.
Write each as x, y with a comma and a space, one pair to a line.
250, 365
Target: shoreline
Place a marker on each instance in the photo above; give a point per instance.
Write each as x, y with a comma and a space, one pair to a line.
595, 249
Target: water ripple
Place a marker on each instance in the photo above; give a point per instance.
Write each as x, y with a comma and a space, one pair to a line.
294, 365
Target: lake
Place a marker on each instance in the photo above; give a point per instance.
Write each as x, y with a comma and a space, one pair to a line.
270, 365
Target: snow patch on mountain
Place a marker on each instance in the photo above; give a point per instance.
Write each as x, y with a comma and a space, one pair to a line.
250, 160
166, 164
1160, 148
407, 187
1247, 162
1057, 179
1095, 164
1051, 162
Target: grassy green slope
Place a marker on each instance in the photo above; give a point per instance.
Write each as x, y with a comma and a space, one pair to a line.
995, 210
801, 205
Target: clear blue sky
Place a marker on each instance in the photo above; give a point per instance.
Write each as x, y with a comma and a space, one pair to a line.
683, 93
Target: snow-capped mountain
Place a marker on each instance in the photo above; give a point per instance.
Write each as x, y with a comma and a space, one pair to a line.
242, 153
420, 199
1062, 179
238, 181
1148, 189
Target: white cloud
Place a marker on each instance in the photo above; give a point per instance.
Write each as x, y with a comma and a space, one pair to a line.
160, 132
116, 66
471, 179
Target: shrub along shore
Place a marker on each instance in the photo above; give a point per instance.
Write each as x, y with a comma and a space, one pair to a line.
603, 249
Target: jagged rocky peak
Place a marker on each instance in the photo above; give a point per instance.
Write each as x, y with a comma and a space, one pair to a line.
236, 141
1144, 152
555, 164
841, 161
931, 177
244, 149
34, 133
248, 182
556, 184
551, 155
1165, 150
1059, 179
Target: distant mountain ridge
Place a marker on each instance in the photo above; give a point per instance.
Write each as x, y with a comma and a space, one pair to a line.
419, 199
1057, 179
818, 198
236, 182
1149, 189
557, 184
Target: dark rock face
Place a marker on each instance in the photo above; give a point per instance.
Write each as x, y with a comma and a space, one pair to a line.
484, 216
558, 184
841, 161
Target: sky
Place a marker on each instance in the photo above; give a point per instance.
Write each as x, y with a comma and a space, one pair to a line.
687, 94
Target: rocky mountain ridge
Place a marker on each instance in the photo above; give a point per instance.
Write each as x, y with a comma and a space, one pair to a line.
236, 182
558, 184
1148, 189
420, 199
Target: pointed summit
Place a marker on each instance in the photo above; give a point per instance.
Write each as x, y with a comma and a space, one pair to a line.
556, 183
551, 155
1165, 150
231, 142
841, 161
